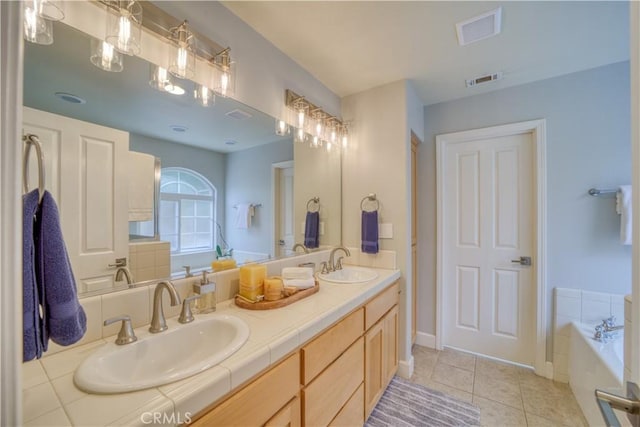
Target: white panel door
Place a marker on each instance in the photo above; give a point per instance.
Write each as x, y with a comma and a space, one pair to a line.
489, 300
285, 209
86, 173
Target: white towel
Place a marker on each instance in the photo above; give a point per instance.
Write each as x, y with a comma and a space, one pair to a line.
297, 273
142, 180
623, 207
244, 212
300, 283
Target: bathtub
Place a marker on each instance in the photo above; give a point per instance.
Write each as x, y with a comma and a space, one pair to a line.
593, 365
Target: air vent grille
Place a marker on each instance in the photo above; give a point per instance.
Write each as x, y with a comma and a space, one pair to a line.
479, 27
239, 114
483, 79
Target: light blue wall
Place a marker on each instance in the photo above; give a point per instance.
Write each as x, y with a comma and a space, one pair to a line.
588, 145
248, 178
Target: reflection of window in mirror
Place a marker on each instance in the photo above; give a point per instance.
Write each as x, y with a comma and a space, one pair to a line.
187, 216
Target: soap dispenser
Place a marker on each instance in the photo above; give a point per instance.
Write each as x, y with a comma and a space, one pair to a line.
207, 302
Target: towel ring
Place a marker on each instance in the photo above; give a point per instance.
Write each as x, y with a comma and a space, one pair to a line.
372, 198
30, 140
315, 200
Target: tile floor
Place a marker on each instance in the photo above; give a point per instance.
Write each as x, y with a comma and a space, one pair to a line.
506, 395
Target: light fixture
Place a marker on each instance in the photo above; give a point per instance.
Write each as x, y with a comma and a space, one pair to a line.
204, 96
105, 56
124, 25
300, 136
160, 79
282, 128
224, 74
37, 29
344, 135
182, 63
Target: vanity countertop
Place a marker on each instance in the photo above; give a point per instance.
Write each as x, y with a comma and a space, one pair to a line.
52, 399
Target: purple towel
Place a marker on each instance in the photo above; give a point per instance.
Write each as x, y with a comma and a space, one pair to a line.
31, 321
312, 230
370, 232
64, 319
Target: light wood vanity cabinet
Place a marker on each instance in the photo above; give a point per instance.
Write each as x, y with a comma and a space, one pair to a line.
335, 379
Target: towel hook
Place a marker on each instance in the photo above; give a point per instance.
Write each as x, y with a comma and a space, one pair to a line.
372, 198
315, 200
31, 139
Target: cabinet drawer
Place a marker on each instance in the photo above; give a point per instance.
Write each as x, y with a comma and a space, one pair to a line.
320, 352
258, 402
378, 306
352, 413
327, 394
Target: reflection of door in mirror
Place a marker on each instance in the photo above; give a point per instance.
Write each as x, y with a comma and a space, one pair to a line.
87, 175
284, 230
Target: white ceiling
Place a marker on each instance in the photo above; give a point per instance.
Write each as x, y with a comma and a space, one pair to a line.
355, 46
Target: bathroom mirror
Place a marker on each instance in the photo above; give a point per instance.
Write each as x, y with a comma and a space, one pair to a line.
230, 146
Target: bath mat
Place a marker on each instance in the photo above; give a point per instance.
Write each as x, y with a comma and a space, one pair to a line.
405, 404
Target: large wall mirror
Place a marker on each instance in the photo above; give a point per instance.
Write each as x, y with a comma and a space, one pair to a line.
214, 160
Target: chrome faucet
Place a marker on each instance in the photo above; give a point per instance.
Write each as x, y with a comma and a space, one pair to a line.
300, 245
158, 322
337, 266
124, 271
605, 331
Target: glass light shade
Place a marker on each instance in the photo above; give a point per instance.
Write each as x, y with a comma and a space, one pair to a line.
36, 28
344, 137
124, 26
224, 81
52, 10
182, 60
160, 79
282, 128
105, 56
204, 96
300, 135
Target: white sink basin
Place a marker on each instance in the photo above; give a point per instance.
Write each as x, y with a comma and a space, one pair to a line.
349, 275
156, 359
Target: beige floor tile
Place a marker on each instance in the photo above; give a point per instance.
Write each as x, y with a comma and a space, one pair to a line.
554, 403
433, 385
506, 391
458, 359
494, 414
496, 369
453, 377
536, 421
423, 363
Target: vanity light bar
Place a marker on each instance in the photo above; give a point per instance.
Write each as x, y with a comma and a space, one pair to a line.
292, 99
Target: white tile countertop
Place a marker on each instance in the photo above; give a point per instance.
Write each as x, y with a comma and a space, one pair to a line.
52, 399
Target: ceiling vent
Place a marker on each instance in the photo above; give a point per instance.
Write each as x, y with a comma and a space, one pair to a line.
479, 27
483, 79
239, 114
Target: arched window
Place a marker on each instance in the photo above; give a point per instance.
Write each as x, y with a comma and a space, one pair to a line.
187, 211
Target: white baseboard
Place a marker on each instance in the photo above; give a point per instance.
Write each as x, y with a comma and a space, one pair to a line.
425, 340
405, 368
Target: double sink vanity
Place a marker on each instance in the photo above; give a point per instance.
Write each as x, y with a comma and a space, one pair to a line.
323, 360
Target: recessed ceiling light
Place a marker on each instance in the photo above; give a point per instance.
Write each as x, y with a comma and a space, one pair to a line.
479, 27
174, 89
69, 97
178, 128
231, 142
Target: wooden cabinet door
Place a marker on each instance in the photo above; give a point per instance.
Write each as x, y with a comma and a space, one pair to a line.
289, 416
374, 378
390, 341
86, 172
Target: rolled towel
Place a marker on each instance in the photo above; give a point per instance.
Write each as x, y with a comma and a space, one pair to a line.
299, 283
297, 273
312, 230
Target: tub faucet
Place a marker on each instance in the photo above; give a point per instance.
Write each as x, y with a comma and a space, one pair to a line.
605, 331
158, 322
124, 271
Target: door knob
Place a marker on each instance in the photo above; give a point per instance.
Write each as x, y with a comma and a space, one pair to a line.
281, 242
524, 260
120, 262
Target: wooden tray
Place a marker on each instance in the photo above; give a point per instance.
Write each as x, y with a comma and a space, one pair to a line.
268, 305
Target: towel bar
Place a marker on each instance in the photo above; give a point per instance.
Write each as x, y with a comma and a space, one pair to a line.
595, 192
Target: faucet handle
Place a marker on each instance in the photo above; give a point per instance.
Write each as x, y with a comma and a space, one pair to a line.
186, 315
188, 270
324, 267
339, 263
126, 334
610, 321
204, 279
